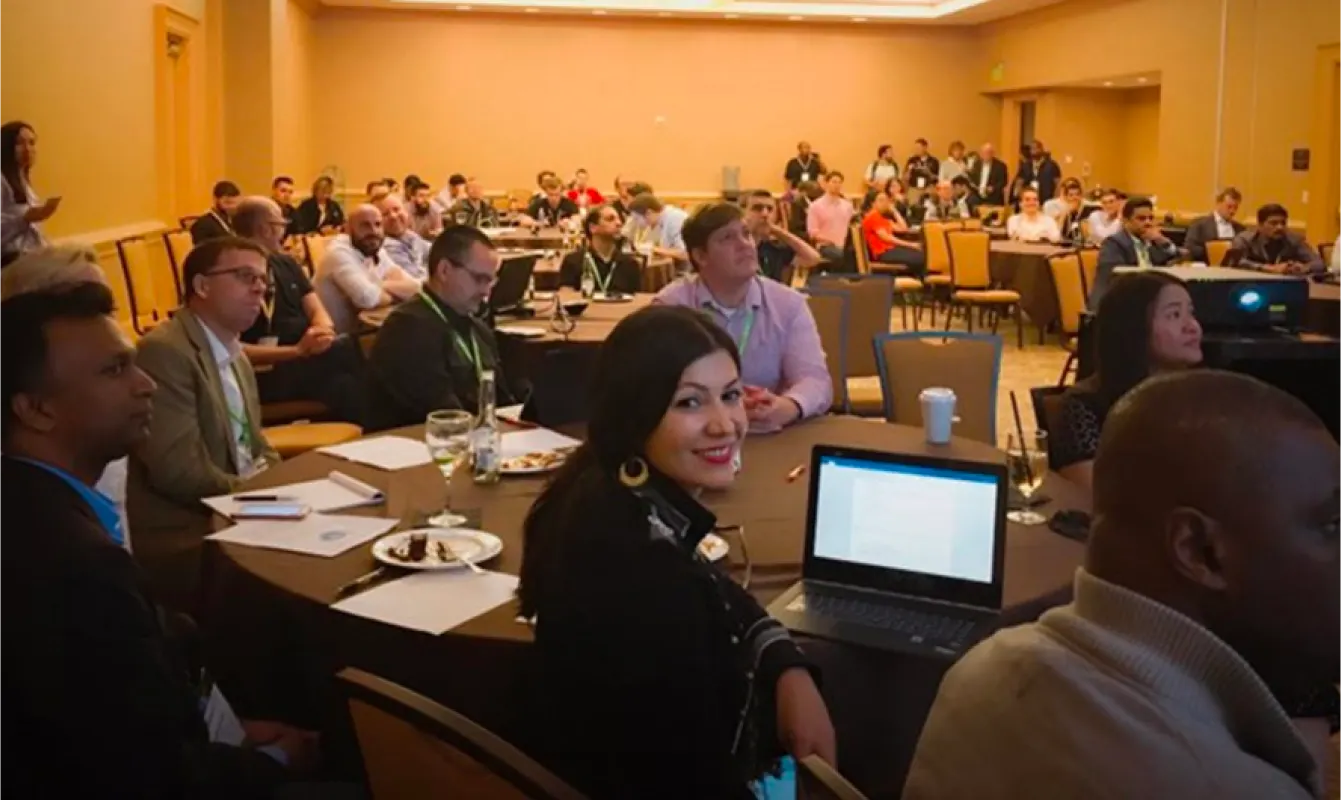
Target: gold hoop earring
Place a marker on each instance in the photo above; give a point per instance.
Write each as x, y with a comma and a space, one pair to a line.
634, 472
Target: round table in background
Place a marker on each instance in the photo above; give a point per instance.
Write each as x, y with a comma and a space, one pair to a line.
267, 610
1023, 266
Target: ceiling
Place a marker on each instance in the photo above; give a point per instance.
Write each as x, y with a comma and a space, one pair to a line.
847, 12
1135, 80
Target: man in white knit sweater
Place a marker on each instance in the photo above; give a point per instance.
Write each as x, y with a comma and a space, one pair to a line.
1206, 616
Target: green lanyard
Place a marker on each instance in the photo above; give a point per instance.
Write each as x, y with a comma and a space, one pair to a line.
744, 341
243, 421
472, 353
596, 274
1142, 254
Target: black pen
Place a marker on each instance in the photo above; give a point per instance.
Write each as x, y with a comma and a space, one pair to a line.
264, 498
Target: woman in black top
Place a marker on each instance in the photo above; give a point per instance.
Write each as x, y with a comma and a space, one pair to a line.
320, 213
657, 675
1145, 324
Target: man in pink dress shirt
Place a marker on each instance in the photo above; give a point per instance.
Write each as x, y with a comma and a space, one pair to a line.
828, 218
782, 362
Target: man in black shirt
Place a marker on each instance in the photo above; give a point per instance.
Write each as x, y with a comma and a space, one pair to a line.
293, 335
1038, 171
218, 221
923, 169
804, 166
614, 270
281, 191
779, 249
431, 350
549, 208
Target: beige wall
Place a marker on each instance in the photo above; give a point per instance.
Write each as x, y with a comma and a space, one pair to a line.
1268, 86
81, 73
1140, 139
1084, 129
291, 48
674, 103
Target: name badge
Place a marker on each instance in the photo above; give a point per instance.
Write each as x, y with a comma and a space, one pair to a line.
805, 176
921, 183
269, 341
1033, 185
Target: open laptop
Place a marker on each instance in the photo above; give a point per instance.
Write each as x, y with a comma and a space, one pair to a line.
509, 293
902, 552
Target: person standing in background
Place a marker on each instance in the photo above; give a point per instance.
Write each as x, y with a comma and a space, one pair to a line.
954, 165
20, 209
804, 166
884, 167
989, 177
320, 213
923, 169
1039, 171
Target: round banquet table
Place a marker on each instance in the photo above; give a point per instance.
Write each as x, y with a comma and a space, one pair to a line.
276, 644
1023, 266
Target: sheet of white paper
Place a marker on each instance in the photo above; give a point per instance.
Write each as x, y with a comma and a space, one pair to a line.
510, 413
432, 602
383, 452
323, 535
322, 495
537, 440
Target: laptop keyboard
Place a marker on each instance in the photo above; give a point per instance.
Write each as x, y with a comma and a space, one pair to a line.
919, 627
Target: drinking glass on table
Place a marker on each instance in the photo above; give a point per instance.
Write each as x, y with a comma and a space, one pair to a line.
1027, 463
447, 434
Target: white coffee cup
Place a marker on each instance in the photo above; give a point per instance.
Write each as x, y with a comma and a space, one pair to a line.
938, 413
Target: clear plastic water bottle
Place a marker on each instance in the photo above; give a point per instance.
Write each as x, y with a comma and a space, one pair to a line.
588, 283
486, 440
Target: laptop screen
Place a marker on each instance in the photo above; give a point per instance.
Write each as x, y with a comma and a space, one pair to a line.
929, 520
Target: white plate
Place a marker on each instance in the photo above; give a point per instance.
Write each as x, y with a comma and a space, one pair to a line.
520, 331
473, 546
713, 547
506, 469
601, 297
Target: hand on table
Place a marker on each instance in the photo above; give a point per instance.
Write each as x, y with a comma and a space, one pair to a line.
301, 747
767, 411
1284, 268
804, 727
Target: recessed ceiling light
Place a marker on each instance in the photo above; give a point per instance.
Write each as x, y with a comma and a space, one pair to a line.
733, 16
600, 12
858, 19
532, 11
794, 18
463, 8
1108, 83
1142, 80
663, 13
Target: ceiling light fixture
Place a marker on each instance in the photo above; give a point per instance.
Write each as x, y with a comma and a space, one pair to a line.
663, 13
858, 19
463, 8
1108, 83
1142, 80
733, 16
600, 12
532, 11
794, 18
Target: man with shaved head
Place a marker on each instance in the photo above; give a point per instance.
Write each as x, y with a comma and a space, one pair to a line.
1200, 655
294, 334
407, 249
357, 274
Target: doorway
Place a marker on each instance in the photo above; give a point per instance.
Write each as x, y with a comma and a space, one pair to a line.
176, 111
1028, 114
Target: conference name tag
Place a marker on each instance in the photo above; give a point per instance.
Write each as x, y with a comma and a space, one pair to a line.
805, 176
269, 341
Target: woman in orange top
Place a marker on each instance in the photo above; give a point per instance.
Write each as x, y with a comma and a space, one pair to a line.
877, 232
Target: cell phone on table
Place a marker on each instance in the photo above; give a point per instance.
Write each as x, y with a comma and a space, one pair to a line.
271, 511
778, 787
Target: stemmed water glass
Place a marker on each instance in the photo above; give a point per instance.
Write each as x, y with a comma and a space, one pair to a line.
1027, 463
447, 434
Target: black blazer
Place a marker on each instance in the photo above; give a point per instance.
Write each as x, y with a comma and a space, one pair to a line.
307, 219
99, 700
997, 178
1119, 250
416, 366
628, 277
1048, 176
1201, 231
208, 227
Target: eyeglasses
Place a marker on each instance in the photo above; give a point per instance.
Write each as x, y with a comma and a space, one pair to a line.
244, 276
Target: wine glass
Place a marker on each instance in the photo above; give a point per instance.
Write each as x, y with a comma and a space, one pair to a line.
1027, 463
447, 434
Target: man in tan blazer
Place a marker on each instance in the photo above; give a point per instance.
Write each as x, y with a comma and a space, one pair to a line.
206, 435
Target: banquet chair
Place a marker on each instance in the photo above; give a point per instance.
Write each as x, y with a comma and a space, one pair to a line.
1325, 250
187, 221
315, 245
300, 437
1069, 281
971, 283
817, 780
904, 287
870, 304
1216, 250
138, 268
967, 363
937, 250
1047, 402
830, 310
1089, 268
415, 748
178, 245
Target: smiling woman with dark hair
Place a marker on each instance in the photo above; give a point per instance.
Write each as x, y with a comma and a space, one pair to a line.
657, 675
20, 209
1145, 325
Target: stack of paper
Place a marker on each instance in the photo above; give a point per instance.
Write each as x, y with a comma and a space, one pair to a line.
383, 452
432, 602
334, 492
317, 534
536, 440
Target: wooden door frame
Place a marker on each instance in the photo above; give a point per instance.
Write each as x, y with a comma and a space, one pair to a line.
168, 126
1323, 187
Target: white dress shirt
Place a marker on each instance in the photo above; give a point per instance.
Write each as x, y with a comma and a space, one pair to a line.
1224, 229
349, 282
1040, 228
224, 355
1101, 227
